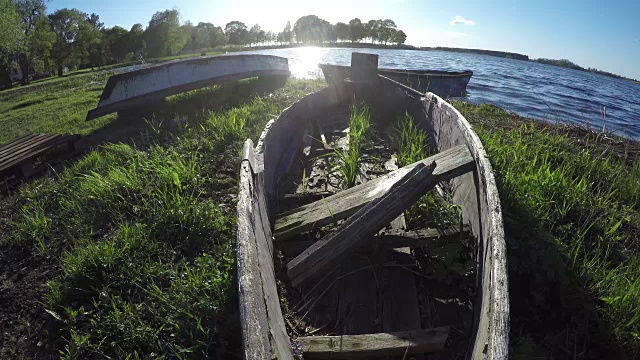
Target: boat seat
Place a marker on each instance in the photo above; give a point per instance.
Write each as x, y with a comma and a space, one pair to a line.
449, 164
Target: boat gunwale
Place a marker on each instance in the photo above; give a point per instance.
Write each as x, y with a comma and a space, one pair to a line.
498, 326
418, 72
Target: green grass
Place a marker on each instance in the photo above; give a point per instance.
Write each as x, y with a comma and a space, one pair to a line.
411, 142
572, 217
55, 106
349, 159
58, 105
142, 236
412, 146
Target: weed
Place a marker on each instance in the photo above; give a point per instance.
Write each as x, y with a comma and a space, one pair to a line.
412, 146
410, 141
348, 163
349, 159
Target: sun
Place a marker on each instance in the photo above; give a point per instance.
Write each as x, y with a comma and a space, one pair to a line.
304, 63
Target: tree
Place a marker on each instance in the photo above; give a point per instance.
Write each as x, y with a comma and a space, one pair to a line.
285, 35
400, 37
66, 25
214, 34
356, 30
190, 33
116, 41
137, 43
10, 32
312, 29
254, 34
373, 30
94, 21
387, 30
201, 38
270, 37
237, 33
88, 45
341, 30
30, 11
164, 35
37, 45
9, 26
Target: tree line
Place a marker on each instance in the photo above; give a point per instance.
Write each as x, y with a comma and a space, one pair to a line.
571, 65
41, 44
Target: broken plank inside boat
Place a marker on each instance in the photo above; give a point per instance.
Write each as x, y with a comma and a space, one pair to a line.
369, 226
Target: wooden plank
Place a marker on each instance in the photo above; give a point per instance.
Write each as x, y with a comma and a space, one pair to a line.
374, 345
364, 67
261, 209
350, 235
17, 145
421, 237
387, 240
399, 297
53, 141
357, 307
263, 330
33, 143
15, 141
26, 151
450, 163
280, 346
479, 199
253, 312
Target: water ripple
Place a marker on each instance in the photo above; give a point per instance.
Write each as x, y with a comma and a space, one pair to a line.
530, 89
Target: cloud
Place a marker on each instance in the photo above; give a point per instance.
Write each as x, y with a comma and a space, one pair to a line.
459, 20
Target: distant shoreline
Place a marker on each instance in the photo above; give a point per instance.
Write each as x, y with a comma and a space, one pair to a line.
570, 65
502, 54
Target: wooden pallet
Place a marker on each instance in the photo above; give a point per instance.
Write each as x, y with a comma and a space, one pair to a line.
17, 157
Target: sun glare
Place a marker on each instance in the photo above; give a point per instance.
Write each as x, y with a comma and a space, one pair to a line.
305, 64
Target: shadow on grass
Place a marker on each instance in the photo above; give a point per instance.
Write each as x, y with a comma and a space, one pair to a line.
552, 312
27, 104
146, 125
549, 190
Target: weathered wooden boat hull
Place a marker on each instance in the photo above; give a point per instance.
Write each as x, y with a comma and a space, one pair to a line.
151, 84
263, 166
442, 83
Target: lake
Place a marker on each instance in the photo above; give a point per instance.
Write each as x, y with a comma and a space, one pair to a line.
529, 89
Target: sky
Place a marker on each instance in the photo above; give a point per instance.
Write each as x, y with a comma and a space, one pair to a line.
600, 34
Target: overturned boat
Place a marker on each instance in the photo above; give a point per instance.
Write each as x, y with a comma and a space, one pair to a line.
335, 264
442, 83
151, 85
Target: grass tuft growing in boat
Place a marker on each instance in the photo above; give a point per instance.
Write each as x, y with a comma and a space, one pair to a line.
349, 159
412, 146
410, 141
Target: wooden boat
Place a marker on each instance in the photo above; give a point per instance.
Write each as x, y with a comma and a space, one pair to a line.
151, 84
345, 254
442, 83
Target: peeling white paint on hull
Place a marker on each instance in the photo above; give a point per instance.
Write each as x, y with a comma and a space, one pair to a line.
140, 87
